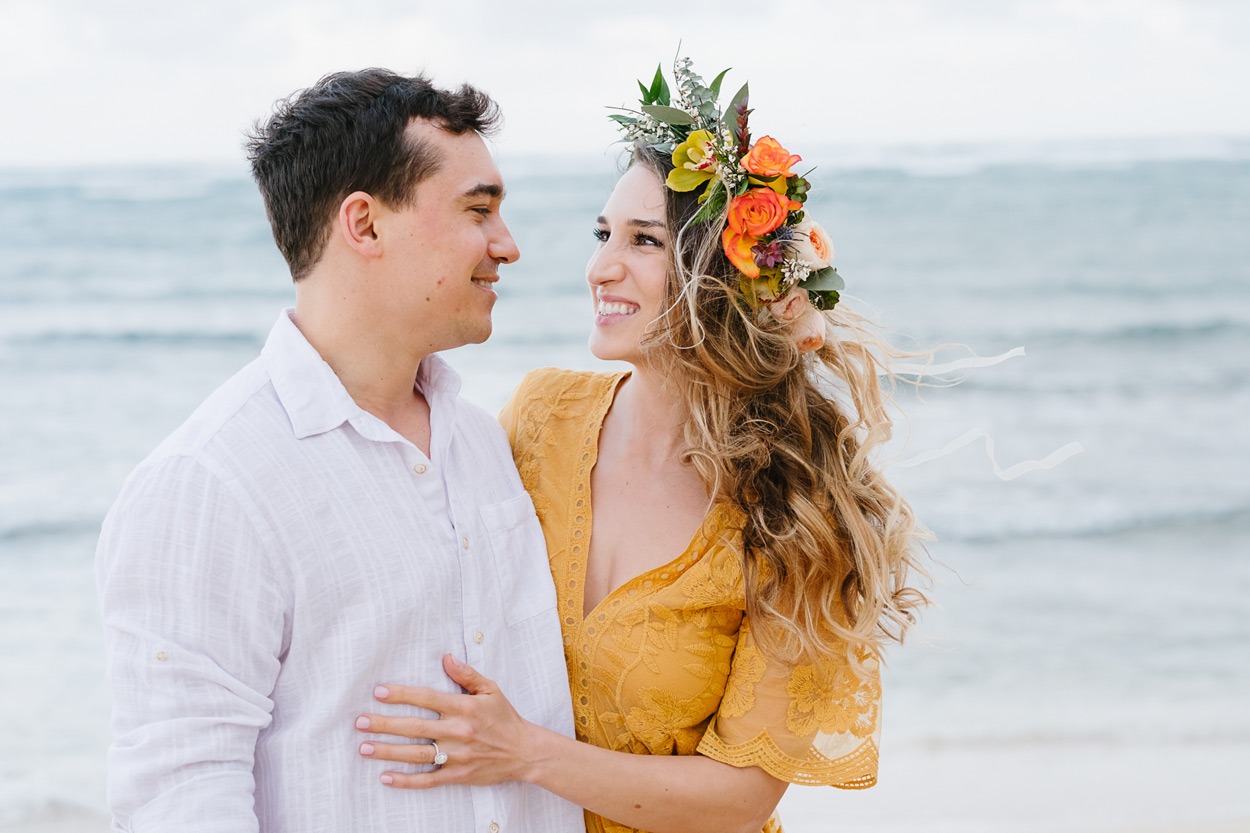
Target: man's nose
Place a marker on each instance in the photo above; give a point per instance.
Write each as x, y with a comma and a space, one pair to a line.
502, 247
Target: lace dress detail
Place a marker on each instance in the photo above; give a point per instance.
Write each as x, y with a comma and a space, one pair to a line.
666, 663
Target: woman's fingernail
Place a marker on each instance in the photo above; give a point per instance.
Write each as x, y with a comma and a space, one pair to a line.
386, 779
362, 722
381, 692
366, 749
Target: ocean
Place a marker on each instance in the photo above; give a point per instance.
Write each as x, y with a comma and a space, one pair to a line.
1086, 665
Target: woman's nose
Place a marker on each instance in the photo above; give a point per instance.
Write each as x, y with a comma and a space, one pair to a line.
603, 267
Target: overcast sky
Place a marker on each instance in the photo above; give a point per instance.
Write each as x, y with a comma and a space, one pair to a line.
89, 81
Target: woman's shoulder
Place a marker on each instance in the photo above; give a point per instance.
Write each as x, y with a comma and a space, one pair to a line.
553, 389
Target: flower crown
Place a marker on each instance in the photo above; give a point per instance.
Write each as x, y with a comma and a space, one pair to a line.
767, 236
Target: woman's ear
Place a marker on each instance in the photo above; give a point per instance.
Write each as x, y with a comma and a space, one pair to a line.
358, 213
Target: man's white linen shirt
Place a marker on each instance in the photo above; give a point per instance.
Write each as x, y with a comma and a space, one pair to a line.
283, 553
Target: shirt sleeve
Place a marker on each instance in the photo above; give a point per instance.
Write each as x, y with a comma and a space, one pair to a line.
194, 625
811, 723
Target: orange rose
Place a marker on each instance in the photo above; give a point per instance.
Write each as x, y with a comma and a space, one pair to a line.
738, 249
769, 158
759, 211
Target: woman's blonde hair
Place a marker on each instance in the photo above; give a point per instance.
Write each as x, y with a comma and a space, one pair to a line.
827, 542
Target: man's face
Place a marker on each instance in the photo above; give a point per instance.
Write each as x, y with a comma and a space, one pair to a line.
443, 251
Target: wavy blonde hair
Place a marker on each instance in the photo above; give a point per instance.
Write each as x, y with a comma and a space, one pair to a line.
827, 542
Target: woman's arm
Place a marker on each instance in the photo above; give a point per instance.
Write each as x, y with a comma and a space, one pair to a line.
486, 742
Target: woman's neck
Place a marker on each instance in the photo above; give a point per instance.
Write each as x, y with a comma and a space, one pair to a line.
650, 416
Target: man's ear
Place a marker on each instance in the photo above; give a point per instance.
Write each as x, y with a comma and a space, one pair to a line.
357, 215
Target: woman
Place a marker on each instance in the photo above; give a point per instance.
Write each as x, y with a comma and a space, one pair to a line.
727, 562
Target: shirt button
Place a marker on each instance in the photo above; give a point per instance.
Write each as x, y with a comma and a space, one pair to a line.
464, 542
161, 656
494, 828
478, 637
419, 468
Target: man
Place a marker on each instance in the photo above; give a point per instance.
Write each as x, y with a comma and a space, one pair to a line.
335, 516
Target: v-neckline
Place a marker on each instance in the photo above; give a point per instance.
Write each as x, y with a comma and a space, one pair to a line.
595, 432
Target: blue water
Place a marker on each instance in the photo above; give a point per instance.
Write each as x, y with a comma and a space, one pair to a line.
1102, 604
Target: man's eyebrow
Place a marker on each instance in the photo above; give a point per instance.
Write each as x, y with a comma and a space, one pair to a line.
485, 189
603, 221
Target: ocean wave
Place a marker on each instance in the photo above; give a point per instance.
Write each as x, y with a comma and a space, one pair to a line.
24, 532
1128, 737
1169, 331
1233, 517
142, 337
961, 159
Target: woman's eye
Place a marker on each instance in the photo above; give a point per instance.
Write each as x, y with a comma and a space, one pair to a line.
601, 234
646, 240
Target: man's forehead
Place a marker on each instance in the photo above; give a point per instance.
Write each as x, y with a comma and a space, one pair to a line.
465, 162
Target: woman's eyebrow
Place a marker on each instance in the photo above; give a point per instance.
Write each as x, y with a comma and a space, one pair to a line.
603, 221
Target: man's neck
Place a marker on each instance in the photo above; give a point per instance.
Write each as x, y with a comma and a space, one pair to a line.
378, 371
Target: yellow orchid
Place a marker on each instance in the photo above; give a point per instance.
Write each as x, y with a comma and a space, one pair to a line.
693, 162
765, 289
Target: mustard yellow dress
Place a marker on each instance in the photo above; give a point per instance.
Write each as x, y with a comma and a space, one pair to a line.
666, 664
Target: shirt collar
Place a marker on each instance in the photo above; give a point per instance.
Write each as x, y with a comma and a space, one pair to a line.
311, 394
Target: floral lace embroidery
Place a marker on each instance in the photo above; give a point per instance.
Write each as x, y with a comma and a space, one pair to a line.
832, 699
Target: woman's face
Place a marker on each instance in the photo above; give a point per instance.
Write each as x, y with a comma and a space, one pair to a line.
628, 270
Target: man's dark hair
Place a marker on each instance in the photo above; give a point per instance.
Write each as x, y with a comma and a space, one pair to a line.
345, 134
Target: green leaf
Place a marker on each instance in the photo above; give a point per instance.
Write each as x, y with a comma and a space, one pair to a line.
716, 82
713, 202
824, 301
657, 85
622, 119
738, 98
668, 115
663, 97
825, 280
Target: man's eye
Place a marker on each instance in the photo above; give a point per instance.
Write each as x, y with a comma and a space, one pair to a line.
483, 211
600, 234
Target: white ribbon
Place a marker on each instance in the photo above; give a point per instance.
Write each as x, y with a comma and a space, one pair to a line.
960, 364
1012, 472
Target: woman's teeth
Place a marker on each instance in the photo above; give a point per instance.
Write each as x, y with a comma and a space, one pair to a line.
611, 308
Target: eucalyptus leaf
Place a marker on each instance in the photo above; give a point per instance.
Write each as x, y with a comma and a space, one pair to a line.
667, 115
824, 280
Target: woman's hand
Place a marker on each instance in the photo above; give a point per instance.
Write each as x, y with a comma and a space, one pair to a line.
483, 737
